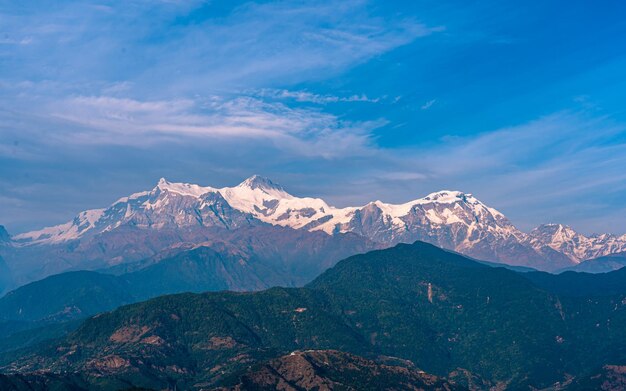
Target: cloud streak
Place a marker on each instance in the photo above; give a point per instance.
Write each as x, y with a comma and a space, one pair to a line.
310, 97
107, 120
250, 45
564, 167
427, 105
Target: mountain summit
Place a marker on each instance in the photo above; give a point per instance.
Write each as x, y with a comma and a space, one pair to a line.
262, 183
449, 219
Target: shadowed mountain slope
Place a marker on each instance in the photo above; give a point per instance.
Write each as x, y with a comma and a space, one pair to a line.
416, 302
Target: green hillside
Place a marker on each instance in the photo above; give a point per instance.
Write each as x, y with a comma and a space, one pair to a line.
445, 313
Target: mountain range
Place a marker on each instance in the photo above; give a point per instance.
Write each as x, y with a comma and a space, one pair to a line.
174, 216
407, 317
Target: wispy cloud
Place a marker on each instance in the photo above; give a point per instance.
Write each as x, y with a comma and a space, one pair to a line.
428, 104
283, 42
250, 45
310, 97
107, 120
20, 41
565, 167
125, 92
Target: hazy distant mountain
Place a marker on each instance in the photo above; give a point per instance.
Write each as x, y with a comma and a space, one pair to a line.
5, 276
4, 235
603, 264
6, 279
180, 215
249, 262
65, 296
446, 314
577, 284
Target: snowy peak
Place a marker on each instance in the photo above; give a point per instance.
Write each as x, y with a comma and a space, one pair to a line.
261, 183
82, 223
175, 204
450, 219
464, 201
270, 203
561, 238
555, 230
182, 188
447, 196
576, 246
254, 191
457, 197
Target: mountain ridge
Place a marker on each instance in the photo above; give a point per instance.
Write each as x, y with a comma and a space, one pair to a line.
448, 219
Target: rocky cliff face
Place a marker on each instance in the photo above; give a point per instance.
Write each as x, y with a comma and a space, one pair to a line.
333, 369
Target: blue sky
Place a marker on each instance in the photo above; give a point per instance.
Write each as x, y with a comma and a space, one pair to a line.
519, 103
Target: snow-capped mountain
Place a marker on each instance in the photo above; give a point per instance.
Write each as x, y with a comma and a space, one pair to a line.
258, 199
449, 219
168, 205
576, 246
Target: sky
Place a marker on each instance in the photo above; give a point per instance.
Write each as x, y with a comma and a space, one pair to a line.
518, 103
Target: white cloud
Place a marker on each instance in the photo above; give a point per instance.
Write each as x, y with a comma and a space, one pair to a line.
544, 170
428, 104
286, 43
21, 41
251, 45
566, 167
110, 120
310, 97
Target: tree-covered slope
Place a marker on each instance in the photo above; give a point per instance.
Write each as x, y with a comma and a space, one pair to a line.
416, 302
240, 260
444, 311
66, 296
581, 284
